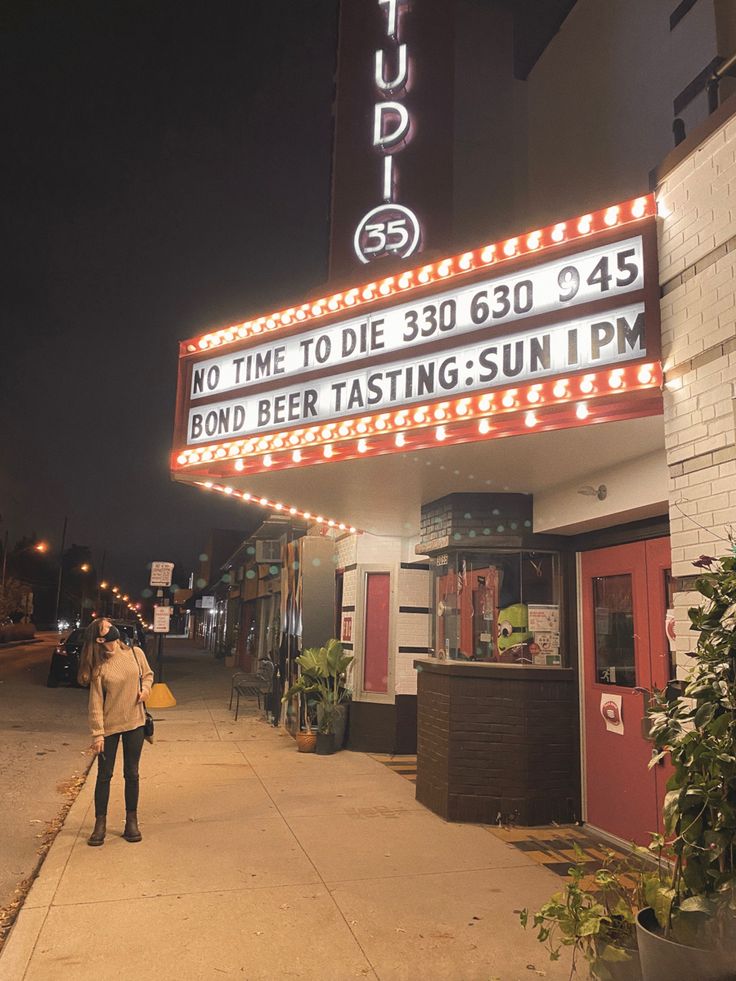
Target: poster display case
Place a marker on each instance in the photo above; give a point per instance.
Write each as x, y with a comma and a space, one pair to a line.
499, 606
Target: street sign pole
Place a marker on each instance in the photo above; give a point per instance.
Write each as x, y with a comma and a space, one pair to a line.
161, 572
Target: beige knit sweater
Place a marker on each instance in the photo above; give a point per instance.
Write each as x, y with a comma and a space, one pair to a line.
113, 692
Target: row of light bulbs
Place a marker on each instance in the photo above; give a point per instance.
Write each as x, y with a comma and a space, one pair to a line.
512, 399
443, 269
278, 506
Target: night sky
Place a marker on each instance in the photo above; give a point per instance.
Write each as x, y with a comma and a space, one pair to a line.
165, 169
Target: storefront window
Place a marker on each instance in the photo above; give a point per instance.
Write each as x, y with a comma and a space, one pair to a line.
614, 630
502, 607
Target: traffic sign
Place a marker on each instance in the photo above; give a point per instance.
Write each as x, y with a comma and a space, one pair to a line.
162, 619
161, 573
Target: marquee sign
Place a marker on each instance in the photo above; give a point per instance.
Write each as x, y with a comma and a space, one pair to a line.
550, 329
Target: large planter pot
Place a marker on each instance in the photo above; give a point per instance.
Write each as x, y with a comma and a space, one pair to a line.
665, 960
306, 742
340, 725
325, 743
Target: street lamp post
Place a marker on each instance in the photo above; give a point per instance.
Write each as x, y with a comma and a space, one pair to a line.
61, 572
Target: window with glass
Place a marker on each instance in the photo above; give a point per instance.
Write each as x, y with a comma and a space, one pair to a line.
499, 607
613, 604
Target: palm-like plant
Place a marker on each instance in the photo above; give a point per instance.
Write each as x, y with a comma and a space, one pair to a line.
322, 673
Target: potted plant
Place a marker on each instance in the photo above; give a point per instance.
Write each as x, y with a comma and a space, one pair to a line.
306, 739
594, 915
688, 930
322, 675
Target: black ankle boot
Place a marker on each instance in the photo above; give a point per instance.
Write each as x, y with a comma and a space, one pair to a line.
98, 835
132, 831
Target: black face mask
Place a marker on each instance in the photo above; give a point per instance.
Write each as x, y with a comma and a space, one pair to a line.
112, 634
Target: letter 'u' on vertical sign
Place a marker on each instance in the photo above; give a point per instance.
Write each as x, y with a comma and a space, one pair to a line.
399, 80
390, 124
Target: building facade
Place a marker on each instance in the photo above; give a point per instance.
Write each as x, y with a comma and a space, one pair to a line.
511, 408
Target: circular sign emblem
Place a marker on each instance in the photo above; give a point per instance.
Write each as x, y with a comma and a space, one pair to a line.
389, 229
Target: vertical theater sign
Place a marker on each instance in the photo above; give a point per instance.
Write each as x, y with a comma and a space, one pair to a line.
390, 228
554, 328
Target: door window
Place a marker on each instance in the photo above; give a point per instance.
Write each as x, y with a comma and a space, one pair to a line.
613, 607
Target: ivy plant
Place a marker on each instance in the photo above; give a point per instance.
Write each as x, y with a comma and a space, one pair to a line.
594, 915
693, 892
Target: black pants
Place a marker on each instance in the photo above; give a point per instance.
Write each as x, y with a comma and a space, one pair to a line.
132, 746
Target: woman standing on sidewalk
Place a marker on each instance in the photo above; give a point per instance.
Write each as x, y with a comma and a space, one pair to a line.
119, 679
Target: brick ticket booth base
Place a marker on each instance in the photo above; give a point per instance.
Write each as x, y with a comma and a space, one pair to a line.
497, 743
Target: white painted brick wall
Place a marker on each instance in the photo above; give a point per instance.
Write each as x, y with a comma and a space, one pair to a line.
346, 551
349, 588
414, 587
698, 316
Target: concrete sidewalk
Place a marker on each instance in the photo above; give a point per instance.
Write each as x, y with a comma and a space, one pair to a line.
258, 863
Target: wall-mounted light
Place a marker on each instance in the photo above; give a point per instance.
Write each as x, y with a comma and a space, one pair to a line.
601, 491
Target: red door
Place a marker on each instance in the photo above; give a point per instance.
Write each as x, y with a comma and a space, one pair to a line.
625, 595
376, 633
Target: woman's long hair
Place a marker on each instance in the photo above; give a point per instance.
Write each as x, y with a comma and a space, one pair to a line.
93, 654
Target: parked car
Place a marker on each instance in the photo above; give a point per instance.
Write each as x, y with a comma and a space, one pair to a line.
65, 657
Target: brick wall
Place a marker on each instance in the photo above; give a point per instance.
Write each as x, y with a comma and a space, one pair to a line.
498, 744
697, 271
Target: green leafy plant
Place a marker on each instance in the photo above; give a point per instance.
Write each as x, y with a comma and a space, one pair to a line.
596, 920
693, 892
322, 674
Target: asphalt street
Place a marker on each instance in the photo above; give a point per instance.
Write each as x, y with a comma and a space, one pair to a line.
43, 740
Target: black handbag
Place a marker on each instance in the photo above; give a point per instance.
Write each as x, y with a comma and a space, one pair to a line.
148, 724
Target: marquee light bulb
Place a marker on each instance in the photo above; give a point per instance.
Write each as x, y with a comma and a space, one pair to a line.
405, 281
362, 446
530, 419
264, 501
319, 519
307, 515
246, 496
440, 433
532, 395
239, 465
585, 223
639, 208
352, 530
444, 268
510, 247
615, 380
534, 240
400, 439
484, 404
558, 232
292, 511
419, 416
581, 411
484, 427
560, 390
645, 374
508, 401
611, 216
439, 413
296, 456
586, 385
466, 261
328, 452
488, 253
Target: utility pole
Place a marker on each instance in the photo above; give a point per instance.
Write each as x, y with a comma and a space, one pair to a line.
5, 556
61, 572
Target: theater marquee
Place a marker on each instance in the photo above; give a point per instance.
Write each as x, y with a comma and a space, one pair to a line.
555, 328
